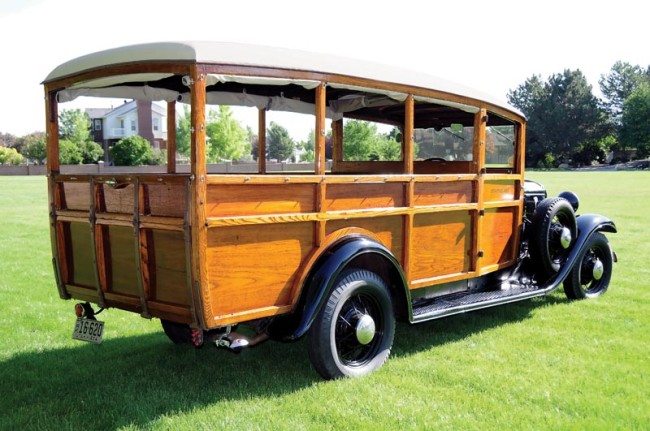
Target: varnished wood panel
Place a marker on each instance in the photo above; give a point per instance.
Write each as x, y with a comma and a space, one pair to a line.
389, 230
122, 260
82, 255
441, 244
170, 268
118, 200
362, 196
166, 200
502, 190
497, 235
235, 200
254, 266
442, 193
77, 196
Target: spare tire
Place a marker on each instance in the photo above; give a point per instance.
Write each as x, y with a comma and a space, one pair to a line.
553, 234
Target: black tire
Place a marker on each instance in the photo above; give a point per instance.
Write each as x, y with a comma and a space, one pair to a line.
546, 251
580, 283
334, 347
179, 333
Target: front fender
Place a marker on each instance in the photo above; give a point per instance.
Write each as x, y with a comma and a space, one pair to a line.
320, 283
587, 224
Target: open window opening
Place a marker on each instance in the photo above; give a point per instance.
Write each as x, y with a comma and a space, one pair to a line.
500, 144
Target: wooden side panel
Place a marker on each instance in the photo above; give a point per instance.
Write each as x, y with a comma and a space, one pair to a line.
498, 190
166, 200
442, 244
452, 192
362, 196
77, 196
170, 268
389, 230
254, 266
122, 260
255, 199
119, 200
497, 235
82, 255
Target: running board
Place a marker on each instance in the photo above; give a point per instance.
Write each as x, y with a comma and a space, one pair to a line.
442, 306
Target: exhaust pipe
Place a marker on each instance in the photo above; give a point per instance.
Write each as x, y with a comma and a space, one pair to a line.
236, 342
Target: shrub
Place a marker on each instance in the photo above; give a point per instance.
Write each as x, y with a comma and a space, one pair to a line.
69, 153
91, 151
132, 151
9, 156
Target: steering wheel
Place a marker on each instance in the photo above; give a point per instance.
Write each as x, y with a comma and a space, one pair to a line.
435, 159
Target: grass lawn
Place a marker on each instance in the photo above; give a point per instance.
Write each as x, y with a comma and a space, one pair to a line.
545, 363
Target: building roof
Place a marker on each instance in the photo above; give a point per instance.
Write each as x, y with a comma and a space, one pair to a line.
263, 56
97, 112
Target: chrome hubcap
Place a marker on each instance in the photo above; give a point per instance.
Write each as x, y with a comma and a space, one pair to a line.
565, 238
598, 269
365, 329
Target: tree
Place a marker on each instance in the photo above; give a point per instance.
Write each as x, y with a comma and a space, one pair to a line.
362, 141
635, 129
132, 151
617, 85
562, 113
227, 139
308, 146
279, 144
9, 156
8, 140
74, 126
69, 153
33, 147
183, 132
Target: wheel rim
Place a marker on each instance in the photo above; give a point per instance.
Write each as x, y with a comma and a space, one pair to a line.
559, 239
592, 271
359, 330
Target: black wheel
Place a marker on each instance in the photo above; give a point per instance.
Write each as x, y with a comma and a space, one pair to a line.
353, 333
179, 333
553, 233
592, 272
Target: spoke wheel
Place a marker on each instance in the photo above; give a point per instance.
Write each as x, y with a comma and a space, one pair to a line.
354, 331
592, 272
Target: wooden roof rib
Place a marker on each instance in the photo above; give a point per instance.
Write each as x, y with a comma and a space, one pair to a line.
236, 54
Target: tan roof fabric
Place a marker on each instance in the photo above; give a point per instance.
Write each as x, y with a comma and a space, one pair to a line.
263, 56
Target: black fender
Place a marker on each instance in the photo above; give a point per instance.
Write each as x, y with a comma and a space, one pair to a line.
321, 280
588, 224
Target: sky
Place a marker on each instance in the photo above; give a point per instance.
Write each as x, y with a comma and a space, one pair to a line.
491, 46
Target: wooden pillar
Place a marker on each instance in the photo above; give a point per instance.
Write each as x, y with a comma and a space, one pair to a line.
407, 144
202, 306
319, 130
52, 131
261, 140
171, 137
409, 187
337, 143
480, 120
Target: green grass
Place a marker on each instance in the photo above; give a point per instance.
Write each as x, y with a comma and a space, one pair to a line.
539, 364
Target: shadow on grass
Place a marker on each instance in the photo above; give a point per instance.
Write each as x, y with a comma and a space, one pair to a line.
134, 380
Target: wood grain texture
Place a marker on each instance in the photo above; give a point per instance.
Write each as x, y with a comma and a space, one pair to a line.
500, 190
408, 141
122, 260
236, 200
261, 140
387, 230
319, 128
438, 193
82, 256
171, 137
170, 268
199, 233
362, 196
253, 267
443, 244
497, 235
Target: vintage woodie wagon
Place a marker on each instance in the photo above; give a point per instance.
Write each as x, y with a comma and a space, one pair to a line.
337, 251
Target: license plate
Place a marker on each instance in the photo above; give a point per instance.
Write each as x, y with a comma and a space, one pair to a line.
88, 330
